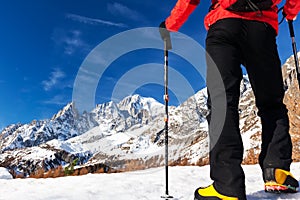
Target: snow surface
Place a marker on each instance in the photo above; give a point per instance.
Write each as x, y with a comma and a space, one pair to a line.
139, 185
4, 174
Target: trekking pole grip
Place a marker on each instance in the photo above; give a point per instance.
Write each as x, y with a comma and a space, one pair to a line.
168, 44
291, 27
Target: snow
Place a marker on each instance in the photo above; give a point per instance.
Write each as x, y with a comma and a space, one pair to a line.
36, 153
246, 137
4, 174
139, 185
100, 139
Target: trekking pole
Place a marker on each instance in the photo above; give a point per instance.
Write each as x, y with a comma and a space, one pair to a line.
167, 47
292, 34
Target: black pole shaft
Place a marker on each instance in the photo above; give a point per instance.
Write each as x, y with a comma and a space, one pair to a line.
166, 97
167, 47
294, 46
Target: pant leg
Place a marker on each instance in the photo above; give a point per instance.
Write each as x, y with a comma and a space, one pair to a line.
227, 154
264, 69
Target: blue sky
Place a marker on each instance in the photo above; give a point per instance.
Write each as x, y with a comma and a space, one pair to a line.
44, 42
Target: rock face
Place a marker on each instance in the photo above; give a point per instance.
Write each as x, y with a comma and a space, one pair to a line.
292, 101
129, 135
250, 120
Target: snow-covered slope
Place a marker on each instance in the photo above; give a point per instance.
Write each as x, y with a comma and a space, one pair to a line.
140, 185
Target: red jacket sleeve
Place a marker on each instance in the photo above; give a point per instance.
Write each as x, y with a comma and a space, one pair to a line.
180, 13
291, 8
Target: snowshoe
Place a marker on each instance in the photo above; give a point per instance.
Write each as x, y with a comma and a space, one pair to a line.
280, 181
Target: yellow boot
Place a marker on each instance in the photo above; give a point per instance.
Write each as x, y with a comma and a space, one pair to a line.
280, 181
210, 193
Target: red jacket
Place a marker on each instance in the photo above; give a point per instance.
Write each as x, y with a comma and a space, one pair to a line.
184, 8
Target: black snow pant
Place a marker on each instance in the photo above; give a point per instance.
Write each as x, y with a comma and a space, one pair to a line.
230, 43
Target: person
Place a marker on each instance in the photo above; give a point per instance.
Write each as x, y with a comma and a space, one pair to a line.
244, 35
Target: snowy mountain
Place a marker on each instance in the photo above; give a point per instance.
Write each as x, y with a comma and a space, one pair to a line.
49, 143
129, 135
64, 125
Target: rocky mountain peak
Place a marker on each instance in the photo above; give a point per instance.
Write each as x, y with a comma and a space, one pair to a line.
68, 111
134, 102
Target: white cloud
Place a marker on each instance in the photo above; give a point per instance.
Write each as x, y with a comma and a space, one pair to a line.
122, 10
54, 79
71, 41
93, 21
